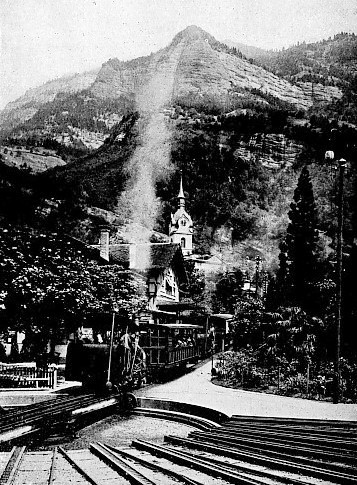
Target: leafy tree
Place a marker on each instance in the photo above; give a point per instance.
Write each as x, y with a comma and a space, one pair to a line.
246, 328
294, 336
228, 290
194, 290
49, 284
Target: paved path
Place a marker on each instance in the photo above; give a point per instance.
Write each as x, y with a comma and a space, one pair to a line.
197, 388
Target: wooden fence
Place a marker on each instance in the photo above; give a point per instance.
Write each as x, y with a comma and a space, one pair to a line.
17, 375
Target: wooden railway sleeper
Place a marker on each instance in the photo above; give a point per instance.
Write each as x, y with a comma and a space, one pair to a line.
12, 465
285, 453
266, 460
78, 468
280, 439
24, 418
53, 467
39, 408
155, 466
119, 465
52, 414
298, 453
198, 464
296, 421
306, 434
295, 430
155, 449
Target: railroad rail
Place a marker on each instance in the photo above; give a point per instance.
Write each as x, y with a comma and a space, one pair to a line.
42, 418
243, 450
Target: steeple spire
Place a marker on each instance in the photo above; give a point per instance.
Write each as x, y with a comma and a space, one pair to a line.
181, 227
181, 196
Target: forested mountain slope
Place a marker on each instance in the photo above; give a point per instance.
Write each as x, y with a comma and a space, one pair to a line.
328, 66
208, 74
240, 134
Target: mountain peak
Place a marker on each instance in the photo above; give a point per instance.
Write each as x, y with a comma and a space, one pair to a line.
192, 32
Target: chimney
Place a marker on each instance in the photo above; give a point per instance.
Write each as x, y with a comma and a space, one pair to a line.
132, 256
104, 243
139, 256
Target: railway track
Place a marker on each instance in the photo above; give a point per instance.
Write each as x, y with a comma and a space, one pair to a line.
45, 417
242, 451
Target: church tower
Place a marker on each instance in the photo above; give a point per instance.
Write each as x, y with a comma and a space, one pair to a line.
181, 227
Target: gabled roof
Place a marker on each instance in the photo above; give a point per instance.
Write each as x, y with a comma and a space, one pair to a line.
160, 256
181, 212
166, 255
119, 254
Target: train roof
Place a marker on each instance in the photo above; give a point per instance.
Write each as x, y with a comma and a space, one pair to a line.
176, 325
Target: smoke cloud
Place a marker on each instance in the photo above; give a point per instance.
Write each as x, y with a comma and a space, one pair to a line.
151, 160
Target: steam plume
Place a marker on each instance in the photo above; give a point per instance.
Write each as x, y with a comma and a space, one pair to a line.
151, 159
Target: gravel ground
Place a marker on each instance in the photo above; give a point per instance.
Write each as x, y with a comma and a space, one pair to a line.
121, 431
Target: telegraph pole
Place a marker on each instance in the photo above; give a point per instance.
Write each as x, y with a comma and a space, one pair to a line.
339, 270
337, 386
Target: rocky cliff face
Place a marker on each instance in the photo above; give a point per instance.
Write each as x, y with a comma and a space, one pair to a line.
272, 150
200, 71
204, 67
27, 105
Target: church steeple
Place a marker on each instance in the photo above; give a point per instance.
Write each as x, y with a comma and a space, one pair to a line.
181, 196
181, 229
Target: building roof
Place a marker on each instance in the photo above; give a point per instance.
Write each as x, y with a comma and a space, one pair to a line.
159, 256
223, 316
181, 212
119, 254
181, 194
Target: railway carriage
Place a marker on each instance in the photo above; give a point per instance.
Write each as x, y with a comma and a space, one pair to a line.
171, 347
156, 352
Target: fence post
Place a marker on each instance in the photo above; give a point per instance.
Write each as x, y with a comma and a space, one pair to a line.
54, 377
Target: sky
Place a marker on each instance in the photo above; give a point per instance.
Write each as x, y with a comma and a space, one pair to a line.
45, 39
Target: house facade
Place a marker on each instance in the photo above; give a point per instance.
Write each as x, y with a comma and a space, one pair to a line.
160, 264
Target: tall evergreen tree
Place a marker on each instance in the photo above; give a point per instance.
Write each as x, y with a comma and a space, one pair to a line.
298, 258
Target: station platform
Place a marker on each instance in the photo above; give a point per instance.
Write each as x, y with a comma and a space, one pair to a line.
25, 396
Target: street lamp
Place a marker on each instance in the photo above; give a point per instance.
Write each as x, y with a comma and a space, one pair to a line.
329, 155
257, 268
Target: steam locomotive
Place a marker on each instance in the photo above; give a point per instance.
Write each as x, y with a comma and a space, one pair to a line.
154, 353
99, 366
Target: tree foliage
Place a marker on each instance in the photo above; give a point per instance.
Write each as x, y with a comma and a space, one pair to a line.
298, 256
52, 283
228, 291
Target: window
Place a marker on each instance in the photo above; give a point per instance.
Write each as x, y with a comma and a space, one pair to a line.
183, 242
168, 288
183, 222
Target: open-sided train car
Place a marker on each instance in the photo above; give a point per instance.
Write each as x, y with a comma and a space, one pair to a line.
170, 347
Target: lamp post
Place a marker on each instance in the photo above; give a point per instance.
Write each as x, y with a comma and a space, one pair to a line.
337, 375
257, 268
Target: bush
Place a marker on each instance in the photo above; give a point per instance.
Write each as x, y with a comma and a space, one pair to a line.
242, 370
294, 385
